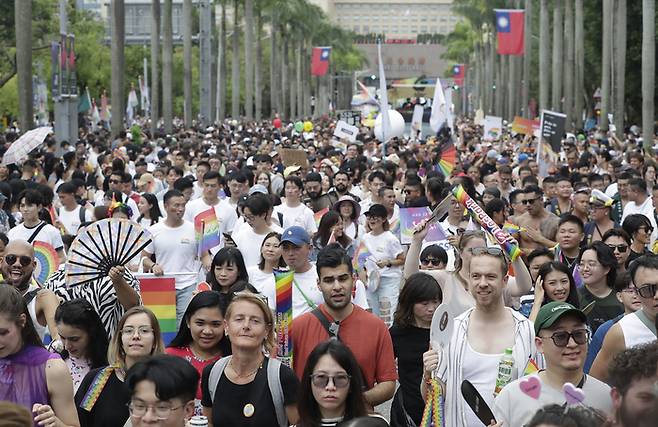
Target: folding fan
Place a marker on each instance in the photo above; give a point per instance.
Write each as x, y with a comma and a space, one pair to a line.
447, 159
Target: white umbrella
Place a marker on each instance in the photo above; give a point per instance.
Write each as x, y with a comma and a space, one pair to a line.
20, 148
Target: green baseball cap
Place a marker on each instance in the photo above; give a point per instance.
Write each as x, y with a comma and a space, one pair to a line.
552, 312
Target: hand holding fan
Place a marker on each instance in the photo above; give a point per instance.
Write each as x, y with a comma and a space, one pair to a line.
447, 159
102, 245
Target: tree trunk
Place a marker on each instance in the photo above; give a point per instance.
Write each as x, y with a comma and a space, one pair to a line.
306, 76
167, 67
292, 85
155, 65
620, 66
258, 65
477, 86
606, 65
500, 86
544, 56
490, 71
23, 24
527, 53
568, 61
511, 88
579, 55
558, 33
648, 68
298, 76
187, 63
117, 64
284, 75
249, 59
221, 67
274, 68
235, 63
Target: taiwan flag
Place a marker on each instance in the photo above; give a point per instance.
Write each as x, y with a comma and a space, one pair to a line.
320, 61
510, 29
458, 74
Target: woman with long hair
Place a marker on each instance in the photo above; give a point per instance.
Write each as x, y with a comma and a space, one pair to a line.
83, 336
264, 179
102, 397
349, 211
149, 210
261, 276
227, 268
331, 230
31, 376
200, 339
239, 392
331, 389
418, 300
554, 283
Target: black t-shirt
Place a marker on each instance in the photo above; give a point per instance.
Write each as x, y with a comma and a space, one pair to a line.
603, 309
230, 399
111, 408
409, 344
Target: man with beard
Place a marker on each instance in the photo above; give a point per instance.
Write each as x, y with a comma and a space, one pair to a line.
17, 266
343, 186
633, 377
338, 318
316, 200
562, 337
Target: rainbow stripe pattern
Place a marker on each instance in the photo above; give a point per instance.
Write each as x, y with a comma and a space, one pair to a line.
159, 296
206, 228
512, 228
318, 216
47, 260
360, 255
506, 242
283, 314
96, 387
433, 412
531, 367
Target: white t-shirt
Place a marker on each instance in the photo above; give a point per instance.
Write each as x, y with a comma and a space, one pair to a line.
264, 283
226, 212
175, 251
249, 242
47, 234
306, 283
225, 217
481, 370
301, 216
71, 219
645, 209
384, 247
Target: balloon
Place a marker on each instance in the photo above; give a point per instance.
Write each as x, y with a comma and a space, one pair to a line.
277, 123
299, 126
308, 126
397, 125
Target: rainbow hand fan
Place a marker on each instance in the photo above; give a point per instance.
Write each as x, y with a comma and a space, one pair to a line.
102, 245
447, 159
47, 260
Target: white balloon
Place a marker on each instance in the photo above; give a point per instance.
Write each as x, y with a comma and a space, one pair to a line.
397, 125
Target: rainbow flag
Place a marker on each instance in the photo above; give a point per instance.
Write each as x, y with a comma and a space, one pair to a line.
318, 216
360, 255
283, 314
531, 367
512, 228
159, 296
206, 228
47, 260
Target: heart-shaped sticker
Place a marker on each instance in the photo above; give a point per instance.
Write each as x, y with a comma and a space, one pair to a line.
573, 394
531, 386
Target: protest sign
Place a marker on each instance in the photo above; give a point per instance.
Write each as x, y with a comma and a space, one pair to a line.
346, 131
552, 129
294, 157
493, 128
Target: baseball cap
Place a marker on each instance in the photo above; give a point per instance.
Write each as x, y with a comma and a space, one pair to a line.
295, 235
258, 188
377, 210
523, 157
552, 312
492, 154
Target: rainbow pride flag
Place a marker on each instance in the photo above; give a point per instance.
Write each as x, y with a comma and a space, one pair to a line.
360, 255
206, 228
159, 296
512, 228
318, 216
531, 367
283, 314
47, 260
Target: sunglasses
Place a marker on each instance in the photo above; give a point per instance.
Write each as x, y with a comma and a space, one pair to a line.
114, 181
648, 291
621, 248
23, 259
561, 338
648, 230
322, 380
488, 251
529, 201
434, 261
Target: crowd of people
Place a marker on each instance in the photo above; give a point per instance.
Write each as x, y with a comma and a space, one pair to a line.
571, 322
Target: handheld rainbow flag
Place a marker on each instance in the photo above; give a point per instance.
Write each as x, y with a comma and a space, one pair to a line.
531, 367
47, 260
283, 314
206, 228
360, 255
512, 228
159, 296
318, 216
503, 238
433, 413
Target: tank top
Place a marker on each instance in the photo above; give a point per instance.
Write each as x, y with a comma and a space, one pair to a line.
635, 331
32, 309
481, 370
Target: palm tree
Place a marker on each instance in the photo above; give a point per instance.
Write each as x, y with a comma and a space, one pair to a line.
221, 66
568, 61
579, 54
274, 59
167, 67
525, 91
648, 68
544, 52
258, 65
117, 63
235, 63
558, 30
606, 65
187, 62
23, 24
620, 65
155, 59
249, 58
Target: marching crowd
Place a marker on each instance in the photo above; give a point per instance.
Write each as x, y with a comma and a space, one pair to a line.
562, 335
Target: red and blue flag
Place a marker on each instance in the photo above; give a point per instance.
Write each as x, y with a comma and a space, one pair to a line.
320, 61
510, 28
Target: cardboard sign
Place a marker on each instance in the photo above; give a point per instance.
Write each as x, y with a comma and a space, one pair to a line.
493, 128
346, 131
552, 129
352, 118
294, 157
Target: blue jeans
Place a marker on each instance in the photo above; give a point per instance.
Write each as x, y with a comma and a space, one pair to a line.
384, 300
183, 298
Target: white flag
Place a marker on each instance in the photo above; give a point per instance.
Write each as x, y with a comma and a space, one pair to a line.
438, 116
383, 99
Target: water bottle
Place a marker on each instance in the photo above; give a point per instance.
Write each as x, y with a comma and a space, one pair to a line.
199, 421
505, 369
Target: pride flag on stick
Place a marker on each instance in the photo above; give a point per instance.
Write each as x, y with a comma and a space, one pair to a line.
159, 296
283, 314
206, 228
361, 254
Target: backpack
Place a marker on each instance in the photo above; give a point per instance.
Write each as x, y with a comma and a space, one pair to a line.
273, 382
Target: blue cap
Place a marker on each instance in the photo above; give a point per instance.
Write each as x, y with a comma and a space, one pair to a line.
295, 235
523, 157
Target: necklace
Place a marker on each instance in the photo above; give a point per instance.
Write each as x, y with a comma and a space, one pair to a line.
238, 375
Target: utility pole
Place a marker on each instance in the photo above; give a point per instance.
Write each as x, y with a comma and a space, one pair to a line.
205, 64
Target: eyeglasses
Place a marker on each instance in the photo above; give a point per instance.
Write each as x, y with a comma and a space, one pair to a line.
529, 201
434, 261
648, 290
321, 380
129, 331
487, 251
621, 248
23, 259
561, 338
162, 410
